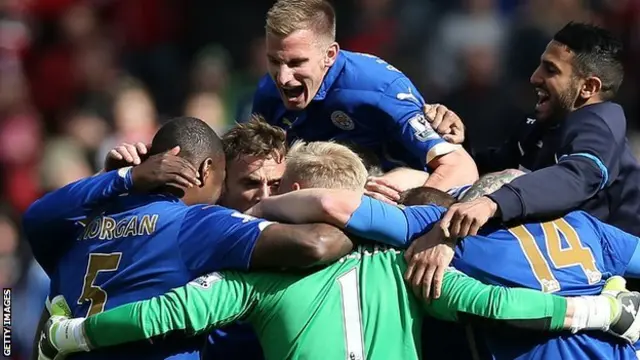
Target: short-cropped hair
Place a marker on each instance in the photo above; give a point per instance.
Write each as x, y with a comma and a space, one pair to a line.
325, 164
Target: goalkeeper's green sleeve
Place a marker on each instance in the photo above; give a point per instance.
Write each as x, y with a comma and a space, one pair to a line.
208, 302
518, 307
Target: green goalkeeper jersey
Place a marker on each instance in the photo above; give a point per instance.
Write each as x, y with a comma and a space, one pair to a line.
356, 308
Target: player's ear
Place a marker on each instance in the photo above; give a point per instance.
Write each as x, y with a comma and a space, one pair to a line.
295, 186
205, 171
332, 54
591, 87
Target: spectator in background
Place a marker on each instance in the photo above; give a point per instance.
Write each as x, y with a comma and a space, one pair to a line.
478, 23
211, 74
207, 106
374, 29
89, 130
134, 117
476, 97
63, 163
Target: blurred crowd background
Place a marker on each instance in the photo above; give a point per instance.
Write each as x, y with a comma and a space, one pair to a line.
79, 76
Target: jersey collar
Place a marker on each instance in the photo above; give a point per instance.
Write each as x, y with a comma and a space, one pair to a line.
331, 76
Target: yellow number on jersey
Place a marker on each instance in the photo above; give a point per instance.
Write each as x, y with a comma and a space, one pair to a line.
92, 292
574, 254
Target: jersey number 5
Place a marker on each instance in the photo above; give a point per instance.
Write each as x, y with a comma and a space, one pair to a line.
92, 292
350, 294
573, 255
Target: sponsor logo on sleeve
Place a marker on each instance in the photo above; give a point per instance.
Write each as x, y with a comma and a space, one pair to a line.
421, 129
206, 281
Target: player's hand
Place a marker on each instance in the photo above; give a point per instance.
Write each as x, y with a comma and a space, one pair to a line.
166, 169
445, 122
382, 189
125, 155
428, 257
464, 219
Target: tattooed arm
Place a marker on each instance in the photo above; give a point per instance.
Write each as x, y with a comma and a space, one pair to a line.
489, 183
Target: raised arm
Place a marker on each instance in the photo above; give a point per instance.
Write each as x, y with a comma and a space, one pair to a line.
58, 212
350, 210
450, 126
402, 108
55, 215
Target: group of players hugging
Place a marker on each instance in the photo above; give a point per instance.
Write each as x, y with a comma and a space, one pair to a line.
355, 221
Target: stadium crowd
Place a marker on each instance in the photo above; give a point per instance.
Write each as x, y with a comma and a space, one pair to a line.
79, 77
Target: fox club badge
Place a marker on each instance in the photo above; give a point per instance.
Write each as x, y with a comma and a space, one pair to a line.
342, 120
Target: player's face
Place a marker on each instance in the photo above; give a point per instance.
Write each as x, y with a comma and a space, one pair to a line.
250, 179
297, 64
556, 85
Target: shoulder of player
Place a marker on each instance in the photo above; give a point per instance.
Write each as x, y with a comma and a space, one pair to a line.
603, 116
367, 73
266, 89
219, 212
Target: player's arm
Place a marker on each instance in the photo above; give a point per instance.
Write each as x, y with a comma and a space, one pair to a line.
210, 301
74, 199
213, 237
450, 164
57, 212
588, 162
355, 213
465, 298
450, 126
621, 253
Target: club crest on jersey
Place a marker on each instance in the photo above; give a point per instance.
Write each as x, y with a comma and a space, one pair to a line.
206, 281
342, 120
421, 129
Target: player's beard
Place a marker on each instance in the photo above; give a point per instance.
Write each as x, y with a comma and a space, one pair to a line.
565, 103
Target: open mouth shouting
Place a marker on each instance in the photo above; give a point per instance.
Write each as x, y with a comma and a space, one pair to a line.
292, 93
543, 100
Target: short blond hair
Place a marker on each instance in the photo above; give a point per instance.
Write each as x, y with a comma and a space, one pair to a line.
288, 16
325, 164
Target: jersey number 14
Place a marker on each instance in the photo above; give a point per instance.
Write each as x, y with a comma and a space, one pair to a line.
573, 255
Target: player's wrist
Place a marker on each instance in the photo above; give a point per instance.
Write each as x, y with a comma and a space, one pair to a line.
68, 335
493, 206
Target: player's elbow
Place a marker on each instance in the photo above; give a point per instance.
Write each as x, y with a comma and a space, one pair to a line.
323, 244
338, 207
456, 168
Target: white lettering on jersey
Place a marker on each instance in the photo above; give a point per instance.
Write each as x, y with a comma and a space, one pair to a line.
530, 121
421, 129
246, 218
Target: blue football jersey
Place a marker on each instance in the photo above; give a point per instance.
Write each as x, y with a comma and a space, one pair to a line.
365, 101
570, 256
136, 247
